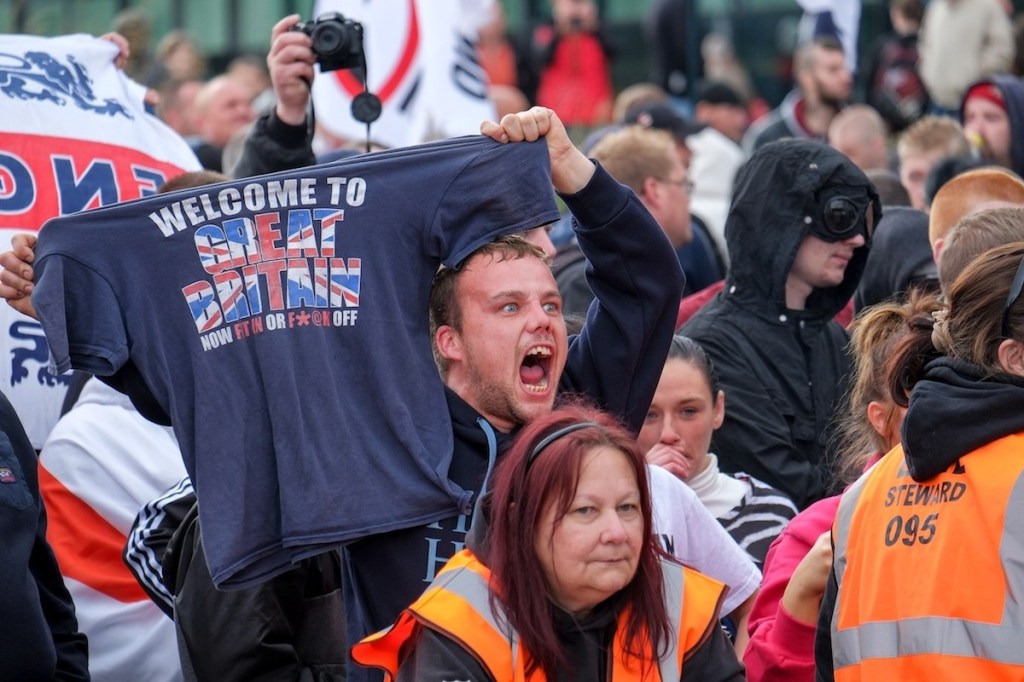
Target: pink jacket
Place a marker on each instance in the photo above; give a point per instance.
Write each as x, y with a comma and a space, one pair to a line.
782, 648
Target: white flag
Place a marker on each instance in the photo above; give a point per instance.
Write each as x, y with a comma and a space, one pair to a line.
840, 18
421, 63
74, 135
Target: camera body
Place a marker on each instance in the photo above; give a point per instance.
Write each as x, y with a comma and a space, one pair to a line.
337, 41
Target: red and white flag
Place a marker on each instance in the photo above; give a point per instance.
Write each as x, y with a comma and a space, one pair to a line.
421, 63
74, 135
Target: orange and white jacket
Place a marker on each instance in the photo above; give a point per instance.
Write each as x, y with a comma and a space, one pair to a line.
99, 465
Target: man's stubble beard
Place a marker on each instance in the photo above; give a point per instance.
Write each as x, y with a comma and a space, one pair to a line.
496, 399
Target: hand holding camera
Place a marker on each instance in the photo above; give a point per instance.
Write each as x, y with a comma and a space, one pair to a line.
332, 41
290, 62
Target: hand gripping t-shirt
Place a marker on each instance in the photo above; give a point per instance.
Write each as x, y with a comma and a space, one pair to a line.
281, 324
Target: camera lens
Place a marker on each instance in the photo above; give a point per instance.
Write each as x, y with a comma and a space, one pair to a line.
337, 42
329, 39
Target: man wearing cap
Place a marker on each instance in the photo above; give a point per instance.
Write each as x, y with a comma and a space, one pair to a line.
720, 107
699, 254
798, 234
662, 116
824, 84
992, 114
712, 159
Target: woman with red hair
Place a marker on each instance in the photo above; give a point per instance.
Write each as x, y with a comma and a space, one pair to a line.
562, 578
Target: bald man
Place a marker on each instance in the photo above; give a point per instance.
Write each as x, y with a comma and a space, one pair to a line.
222, 107
859, 132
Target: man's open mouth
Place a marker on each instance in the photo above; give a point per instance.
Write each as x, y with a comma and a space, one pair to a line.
535, 370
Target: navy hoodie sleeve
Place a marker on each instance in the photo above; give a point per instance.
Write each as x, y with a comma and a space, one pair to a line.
637, 282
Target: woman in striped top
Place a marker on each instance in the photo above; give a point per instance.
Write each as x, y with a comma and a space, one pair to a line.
687, 408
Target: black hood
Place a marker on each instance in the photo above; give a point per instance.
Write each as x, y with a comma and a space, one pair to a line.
900, 254
775, 201
955, 409
1012, 90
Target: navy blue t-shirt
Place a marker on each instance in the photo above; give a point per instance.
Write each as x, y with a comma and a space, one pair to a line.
280, 322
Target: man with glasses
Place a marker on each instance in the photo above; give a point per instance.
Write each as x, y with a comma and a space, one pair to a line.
798, 234
711, 159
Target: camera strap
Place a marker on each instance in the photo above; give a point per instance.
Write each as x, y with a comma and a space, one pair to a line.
366, 106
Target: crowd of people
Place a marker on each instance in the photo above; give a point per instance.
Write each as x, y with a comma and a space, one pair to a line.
743, 409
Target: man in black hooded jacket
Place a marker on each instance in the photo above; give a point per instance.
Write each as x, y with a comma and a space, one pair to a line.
900, 261
797, 233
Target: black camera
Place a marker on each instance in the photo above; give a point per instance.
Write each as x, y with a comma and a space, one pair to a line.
337, 41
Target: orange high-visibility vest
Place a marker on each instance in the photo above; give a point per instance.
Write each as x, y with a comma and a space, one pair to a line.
931, 575
457, 605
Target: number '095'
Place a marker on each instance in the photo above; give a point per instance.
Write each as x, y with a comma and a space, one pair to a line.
910, 530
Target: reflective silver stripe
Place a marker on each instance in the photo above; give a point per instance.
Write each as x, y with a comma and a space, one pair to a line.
673, 588
844, 519
840, 537
939, 636
943, 636
1011, 555
473, 588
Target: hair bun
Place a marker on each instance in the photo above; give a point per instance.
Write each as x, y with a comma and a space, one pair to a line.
940, 331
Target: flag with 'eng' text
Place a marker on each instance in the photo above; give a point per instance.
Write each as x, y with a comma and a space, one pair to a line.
74, 135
